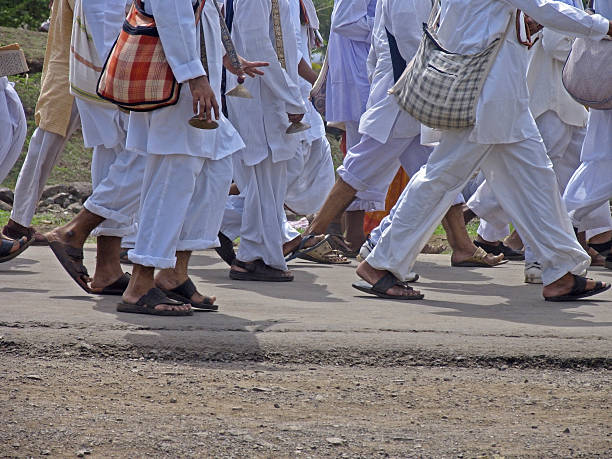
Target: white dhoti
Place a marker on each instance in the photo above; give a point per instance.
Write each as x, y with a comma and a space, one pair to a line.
116, 173
310, 176
168, 222
13, 127
590, 187
369, 167
43, 153
257, 215
520, 173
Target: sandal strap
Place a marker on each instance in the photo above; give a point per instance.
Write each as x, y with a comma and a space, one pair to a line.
386, 282
250, 267
187, 289
5, 247
155, 297
579, 285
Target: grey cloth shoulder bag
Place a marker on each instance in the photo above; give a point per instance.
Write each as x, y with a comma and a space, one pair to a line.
439, 88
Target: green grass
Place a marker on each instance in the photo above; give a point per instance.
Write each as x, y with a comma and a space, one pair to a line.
33, 44
41, 221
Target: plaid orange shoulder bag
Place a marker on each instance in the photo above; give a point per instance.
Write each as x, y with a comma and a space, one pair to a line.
136, 75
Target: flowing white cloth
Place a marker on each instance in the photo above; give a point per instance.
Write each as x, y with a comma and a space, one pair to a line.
262, 121
348, 86
13, 127
166, 131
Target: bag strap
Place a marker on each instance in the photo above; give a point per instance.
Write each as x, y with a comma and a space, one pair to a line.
279, 46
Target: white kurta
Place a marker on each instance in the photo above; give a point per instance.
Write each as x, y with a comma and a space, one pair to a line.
262, 121
384, 117
348, 86
13, 127
166, 131
502, 114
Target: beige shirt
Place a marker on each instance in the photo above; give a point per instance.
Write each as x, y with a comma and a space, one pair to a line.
55, 102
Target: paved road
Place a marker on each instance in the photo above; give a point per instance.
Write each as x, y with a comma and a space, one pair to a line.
468, 314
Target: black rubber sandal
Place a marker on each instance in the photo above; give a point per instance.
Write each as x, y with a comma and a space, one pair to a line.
509, 252
385, 283
579, 290
258, 271
226, 251
6, 246
146, 305
71, 260
116, 288
603, 249
185, 291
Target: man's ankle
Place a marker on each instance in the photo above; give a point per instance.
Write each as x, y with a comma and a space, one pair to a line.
14, 230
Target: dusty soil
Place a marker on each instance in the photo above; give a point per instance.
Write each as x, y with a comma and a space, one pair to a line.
70, 406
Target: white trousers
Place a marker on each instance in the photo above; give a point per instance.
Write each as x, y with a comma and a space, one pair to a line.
587, 195
370, 166
43, 153
13, 127
310, 177
181, 206
563, 144
116, 176
257, 215
524, 183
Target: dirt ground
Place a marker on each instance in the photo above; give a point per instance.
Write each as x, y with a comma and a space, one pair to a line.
113, 407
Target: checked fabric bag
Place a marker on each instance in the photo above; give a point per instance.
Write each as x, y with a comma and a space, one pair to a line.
136, 75
439, 88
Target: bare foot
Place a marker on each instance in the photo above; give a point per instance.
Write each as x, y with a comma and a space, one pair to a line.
371, 276
16, 243
564, 285
596, 258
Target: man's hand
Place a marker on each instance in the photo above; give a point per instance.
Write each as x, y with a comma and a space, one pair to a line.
295, 117
248, 68
532, 25
203, 98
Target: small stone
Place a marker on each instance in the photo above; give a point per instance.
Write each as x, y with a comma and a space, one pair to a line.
60, 198
75, 207
503, 368
236, 408
34, 377
276, 405
336, 441
6, 207
45, 452
261, 389
567, 430
6, 195
172, 400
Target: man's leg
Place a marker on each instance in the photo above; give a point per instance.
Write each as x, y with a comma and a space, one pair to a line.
43, 153
261, 232
201, 226
423, 203
168, 187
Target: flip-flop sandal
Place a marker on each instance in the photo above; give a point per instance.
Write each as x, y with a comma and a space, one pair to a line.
338, 243
116, 288
385, 283
478, 260
324, 253
579, 290
258, 271
7, 244
185, 291
71, 260
508, 252
302, 250
226, 251
146, 305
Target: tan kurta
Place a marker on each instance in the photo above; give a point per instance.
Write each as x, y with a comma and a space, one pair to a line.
55, 102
